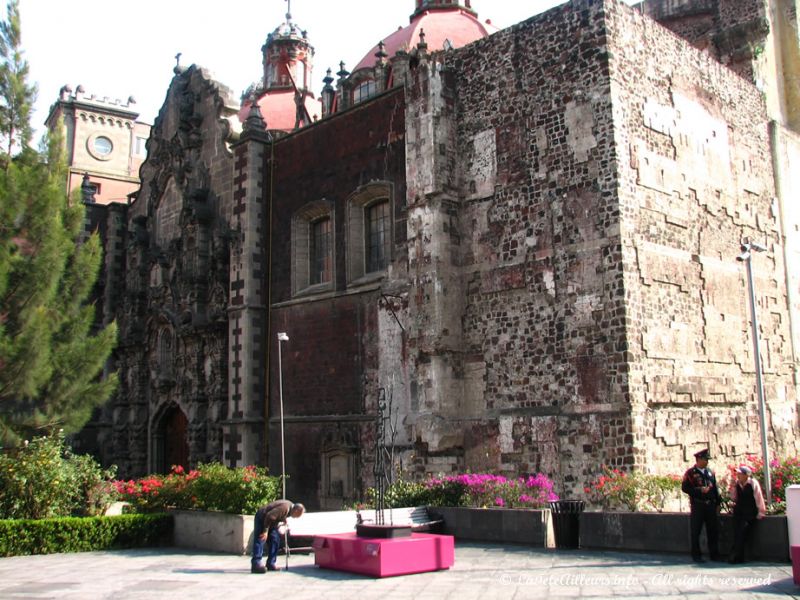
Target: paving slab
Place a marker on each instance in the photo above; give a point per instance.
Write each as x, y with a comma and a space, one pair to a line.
481, 571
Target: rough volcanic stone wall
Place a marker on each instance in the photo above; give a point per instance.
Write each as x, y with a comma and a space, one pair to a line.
695, 179
733, 31
539, 383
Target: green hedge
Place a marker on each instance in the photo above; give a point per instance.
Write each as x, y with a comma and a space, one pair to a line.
76, 534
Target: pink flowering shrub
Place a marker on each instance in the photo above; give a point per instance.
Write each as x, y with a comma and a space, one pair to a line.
485, 489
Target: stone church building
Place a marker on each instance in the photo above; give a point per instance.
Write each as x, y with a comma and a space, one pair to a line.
526, 240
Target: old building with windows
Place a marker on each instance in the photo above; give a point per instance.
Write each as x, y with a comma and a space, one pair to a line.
104, 142
524, 239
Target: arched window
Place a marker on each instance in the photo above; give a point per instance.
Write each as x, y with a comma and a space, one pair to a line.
321, 253
313, 248
369, 232
165, 353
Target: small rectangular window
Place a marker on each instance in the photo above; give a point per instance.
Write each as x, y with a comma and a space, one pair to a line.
140, 146
321, 255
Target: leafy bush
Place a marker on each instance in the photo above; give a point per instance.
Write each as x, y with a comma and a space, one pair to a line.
212, 486
96, 489
70, 534
43, 479
401, 493
616, 489
658, 489
471, 489
241, 490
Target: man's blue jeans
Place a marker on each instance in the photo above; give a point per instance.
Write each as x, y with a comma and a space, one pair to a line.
273, 542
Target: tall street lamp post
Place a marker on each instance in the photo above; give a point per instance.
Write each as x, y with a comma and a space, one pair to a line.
746, 257
282, 337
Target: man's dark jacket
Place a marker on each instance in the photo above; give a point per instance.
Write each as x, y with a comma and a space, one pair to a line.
274, 513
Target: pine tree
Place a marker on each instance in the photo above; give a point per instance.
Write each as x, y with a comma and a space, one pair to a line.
16, 95
51, 358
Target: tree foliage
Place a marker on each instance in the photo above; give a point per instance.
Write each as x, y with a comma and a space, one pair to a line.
16, 94
51, 357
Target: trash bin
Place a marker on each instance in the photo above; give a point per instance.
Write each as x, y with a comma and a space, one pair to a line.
566, 522
793, 521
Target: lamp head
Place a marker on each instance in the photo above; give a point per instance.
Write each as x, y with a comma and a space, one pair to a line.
749, 246
743, 256
282, 337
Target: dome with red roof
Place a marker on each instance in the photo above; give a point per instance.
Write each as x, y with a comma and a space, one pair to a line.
442, 21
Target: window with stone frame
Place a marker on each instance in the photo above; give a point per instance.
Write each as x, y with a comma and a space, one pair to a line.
369, 232
376, 236
321, 251
312, 248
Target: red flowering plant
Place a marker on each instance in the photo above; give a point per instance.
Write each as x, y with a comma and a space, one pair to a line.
212, 487
617, 489
156, 493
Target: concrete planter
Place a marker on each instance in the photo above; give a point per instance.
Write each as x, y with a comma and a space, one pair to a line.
213, 531
669, 532
522, 526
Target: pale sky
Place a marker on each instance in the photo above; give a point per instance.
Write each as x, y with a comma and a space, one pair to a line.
120, 49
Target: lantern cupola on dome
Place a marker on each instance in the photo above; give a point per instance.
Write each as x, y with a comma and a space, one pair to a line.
283, 94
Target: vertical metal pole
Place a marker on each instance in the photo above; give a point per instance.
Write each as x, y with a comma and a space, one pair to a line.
282, 337
762, 409
280, 396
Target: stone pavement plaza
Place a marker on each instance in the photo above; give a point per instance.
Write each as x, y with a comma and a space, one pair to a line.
481, 571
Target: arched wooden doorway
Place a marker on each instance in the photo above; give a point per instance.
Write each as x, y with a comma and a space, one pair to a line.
171, 446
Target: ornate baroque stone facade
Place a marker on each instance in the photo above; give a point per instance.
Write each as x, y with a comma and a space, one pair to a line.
528, 243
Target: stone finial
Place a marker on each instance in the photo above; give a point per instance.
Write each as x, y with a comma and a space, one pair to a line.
422, 45
328, 94
255, 121
342, 71
381, 54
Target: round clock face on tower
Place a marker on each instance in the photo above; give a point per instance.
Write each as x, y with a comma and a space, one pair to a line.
103, 145
100, 147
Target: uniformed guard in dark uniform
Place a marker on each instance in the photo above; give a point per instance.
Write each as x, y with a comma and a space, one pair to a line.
701, 486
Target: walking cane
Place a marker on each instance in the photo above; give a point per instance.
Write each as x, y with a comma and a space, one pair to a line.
286, 545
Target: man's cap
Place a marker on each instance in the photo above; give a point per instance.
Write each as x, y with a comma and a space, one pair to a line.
704, 453
744, 469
